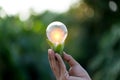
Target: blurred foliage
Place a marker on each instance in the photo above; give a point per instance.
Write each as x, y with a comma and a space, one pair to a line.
93, 40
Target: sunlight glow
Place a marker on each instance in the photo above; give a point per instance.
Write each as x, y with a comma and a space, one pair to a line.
12, 7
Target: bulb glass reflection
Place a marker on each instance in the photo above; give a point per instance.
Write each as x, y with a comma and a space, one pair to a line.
56, 32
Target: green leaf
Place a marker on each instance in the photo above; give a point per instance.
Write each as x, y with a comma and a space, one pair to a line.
57, 48
51, 44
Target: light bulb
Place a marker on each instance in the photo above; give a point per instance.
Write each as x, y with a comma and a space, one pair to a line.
56, 33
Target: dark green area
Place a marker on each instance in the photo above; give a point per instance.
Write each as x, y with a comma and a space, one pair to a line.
93, 40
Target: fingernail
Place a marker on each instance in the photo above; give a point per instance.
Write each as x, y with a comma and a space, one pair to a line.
56, 54
49, 50
65, 53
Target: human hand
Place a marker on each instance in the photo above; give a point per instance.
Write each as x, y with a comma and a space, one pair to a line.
76, 72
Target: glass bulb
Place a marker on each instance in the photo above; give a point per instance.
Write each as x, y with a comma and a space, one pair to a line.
56, 32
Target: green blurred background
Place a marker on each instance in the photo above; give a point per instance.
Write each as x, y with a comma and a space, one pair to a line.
93, 40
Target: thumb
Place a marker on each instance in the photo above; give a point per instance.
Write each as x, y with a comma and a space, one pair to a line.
71, 61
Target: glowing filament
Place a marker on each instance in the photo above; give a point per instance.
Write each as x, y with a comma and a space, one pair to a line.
57, 35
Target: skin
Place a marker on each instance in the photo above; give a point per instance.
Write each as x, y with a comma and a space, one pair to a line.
76, 72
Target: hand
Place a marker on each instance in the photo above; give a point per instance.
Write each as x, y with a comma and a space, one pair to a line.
76, 72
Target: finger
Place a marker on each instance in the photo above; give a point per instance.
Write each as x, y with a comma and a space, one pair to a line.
72, 62
66, 76
50, 57
61, 63
52, 60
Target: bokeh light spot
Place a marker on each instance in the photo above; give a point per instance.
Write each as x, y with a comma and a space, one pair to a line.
113, 6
